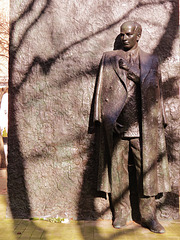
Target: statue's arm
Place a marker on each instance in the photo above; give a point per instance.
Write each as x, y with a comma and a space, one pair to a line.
97, 92
95, 114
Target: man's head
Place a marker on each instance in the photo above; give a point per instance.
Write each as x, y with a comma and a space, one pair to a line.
130, 33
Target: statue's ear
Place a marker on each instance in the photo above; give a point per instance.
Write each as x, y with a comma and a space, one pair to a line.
138, 37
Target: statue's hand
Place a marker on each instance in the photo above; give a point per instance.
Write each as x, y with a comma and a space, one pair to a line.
132, 76
124, 64
133, 71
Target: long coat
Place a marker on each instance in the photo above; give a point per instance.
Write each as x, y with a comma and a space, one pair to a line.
109, 99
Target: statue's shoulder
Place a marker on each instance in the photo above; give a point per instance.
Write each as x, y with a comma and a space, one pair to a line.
114, 53
146, 55
148, 60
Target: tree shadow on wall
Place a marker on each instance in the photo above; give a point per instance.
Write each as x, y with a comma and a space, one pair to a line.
19, 201
18, 197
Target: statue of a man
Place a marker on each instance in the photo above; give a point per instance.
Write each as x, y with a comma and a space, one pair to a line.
128, 110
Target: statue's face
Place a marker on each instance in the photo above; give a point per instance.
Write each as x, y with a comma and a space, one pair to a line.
129, 37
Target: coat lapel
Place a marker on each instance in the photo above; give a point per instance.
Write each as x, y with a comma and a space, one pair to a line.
145, 64
115, 64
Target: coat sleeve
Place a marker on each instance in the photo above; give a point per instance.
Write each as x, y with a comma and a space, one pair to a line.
95, 114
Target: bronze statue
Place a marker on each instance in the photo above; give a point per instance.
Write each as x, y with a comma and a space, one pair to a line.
128, 112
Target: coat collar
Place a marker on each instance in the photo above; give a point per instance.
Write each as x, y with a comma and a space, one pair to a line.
145, 64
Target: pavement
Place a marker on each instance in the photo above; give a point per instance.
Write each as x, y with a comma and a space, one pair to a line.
13, 229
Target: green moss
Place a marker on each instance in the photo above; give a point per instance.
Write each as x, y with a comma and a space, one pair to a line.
52, 220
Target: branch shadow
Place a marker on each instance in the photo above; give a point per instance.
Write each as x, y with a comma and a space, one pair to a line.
19, 202
47, 64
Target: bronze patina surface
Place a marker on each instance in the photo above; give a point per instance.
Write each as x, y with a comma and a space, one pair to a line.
129, 115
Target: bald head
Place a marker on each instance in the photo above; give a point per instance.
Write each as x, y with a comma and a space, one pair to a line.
134, 25
130, 33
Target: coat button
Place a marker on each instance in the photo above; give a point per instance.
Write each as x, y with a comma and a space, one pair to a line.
106, 100
110, 87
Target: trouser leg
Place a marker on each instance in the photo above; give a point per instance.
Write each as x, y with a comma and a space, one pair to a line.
135, 146
120, 181
147, 204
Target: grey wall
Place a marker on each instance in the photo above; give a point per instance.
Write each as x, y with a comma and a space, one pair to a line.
55, 49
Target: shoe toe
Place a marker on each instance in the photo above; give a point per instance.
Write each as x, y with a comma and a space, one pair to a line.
154, 226
119, 223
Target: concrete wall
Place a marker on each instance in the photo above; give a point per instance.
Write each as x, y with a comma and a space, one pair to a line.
55, 49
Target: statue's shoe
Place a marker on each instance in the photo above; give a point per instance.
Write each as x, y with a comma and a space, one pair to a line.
153, 226
119, 222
